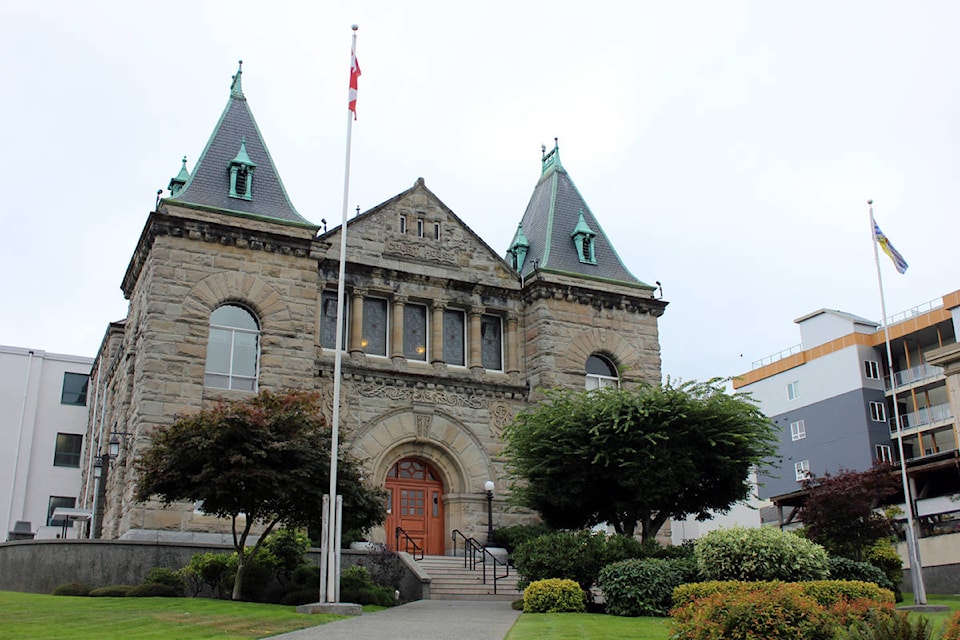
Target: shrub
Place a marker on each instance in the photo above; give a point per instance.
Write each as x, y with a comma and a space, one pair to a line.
356, 586
824, 592
306, 577
287, 547
112, 591
575, 556
510, 537
517, 605
259, 573
384, 567
300, 596
895, 626
553, 595
72, 589
639, 587
619, 547
153, 590
951, 629
780, 611
211, 570
847, 569
169, 577
764, 553
883, 555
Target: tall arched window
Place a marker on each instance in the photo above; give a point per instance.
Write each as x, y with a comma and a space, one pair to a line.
233, 350
601, 373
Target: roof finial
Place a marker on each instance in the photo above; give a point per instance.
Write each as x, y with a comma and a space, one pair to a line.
236, 90
550, 160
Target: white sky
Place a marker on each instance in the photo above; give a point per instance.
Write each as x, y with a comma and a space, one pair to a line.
727, 148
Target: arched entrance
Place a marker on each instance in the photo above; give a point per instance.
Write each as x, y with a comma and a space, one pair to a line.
415, 503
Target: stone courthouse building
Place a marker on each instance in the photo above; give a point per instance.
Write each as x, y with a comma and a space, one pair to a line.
231, 290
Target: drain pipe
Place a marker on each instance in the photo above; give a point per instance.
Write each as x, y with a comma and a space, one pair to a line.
16, 459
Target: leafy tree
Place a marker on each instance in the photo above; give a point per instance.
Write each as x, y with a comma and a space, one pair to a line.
639, 455
266, 458
841, 511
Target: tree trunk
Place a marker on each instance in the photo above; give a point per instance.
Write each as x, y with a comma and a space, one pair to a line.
238, 580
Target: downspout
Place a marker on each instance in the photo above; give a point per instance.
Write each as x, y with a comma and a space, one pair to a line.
16, 459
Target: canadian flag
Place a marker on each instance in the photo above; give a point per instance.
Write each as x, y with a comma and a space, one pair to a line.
354, 74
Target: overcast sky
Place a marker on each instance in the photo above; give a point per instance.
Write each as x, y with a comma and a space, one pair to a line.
727, 148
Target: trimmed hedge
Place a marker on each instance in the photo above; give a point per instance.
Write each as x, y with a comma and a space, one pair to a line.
847, 569
154, 590
639, 587
824, 592
112, 591
764, 553
72, 589
553, 595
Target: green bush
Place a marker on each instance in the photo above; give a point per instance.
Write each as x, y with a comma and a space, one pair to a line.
847, 569
883, 555
306, 577
510, 537
72, 589
951, 629
764, 553
300, 596
618, 547
259, 573
384, 567
208, 570
575, 556
553, 595
169, 577
153, 590
287, 547
780, 611
894, 626
823, 592
639, 587
356, 586
112, 591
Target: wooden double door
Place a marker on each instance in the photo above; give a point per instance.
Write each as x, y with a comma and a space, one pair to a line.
415, 504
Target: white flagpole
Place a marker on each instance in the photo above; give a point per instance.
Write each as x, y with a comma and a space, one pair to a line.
916, 570
333, 567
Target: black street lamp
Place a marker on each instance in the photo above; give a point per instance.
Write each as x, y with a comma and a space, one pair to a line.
489, 486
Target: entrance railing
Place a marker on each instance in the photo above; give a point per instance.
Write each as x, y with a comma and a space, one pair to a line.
471, 550
409, 545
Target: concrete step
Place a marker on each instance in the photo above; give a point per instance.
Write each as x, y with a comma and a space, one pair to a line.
451, 581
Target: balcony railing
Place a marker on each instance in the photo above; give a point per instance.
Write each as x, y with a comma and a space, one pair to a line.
914, 374
780, 355
925, 416
936, 303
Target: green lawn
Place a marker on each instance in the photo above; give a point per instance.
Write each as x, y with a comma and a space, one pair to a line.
593, 626
31, 616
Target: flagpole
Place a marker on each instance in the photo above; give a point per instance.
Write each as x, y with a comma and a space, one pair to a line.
916, 570
333, 567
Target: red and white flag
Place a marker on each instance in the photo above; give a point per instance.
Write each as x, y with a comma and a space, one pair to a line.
354, 74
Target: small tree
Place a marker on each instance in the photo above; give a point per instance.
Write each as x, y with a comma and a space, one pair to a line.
841, 512
264, 460
640, 455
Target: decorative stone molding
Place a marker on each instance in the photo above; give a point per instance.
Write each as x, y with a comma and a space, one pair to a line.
413, 394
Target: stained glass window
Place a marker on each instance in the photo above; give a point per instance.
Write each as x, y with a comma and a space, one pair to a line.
415, 331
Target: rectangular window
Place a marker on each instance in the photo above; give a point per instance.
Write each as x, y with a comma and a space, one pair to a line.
374, 341
403, 224
884, 453
436, 230
871, 369
802, 470
454, 338
415, 332
491, 342
793, 390
328, 321
878, 412
798, 430
74, 389
419, 227
67, 452
58, 501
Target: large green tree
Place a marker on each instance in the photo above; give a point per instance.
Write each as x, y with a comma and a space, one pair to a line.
258, 461
645, 454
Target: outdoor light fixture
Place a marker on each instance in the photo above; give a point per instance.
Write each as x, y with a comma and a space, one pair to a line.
98, 468
113, 446
488, 487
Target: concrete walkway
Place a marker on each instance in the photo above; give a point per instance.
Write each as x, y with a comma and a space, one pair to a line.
420, 620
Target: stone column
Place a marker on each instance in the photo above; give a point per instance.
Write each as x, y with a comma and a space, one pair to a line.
511, 346
356, 320
396, 335
436, 332
474, 361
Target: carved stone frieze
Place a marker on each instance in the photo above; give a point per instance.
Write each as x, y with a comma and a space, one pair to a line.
434, 396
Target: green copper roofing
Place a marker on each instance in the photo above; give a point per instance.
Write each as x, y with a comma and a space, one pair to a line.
519, 240
582, 227
177, 182
518, 249
550, 161
236, 90
242, 157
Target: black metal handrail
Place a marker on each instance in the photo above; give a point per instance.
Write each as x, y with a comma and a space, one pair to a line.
470, 550
409, 543
493, 569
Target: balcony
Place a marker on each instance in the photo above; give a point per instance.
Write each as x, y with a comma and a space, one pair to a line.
913, 375
923, 417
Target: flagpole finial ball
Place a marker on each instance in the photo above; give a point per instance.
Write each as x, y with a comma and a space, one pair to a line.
870, 201
354, 27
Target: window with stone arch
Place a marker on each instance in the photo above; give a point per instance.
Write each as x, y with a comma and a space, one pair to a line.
601, 373
233, 349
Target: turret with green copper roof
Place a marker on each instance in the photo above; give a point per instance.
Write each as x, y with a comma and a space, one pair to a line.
561, 233
235, 173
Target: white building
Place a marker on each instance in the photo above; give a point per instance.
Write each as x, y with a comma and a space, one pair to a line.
43, 417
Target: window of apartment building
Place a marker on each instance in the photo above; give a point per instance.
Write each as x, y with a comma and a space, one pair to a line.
55, 502
328, 321
74, 389
403, 224
419, 227
491, 342
871, 369
884, 453
878, 412
798, 430
793, 390
374, 340
67, 451
601, 373
233, 349
801, 470
454, 338
415, 332
436, 230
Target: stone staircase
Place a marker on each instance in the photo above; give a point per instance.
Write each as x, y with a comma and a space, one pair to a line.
449, 580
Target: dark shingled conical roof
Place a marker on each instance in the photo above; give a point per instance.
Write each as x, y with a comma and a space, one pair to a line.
552, 216
209, 184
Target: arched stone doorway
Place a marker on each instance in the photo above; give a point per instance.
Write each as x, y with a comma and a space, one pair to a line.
415, 504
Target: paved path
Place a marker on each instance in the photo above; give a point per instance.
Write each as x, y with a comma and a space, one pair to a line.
420, 620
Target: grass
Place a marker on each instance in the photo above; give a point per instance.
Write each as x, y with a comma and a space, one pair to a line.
594, 626
34, 616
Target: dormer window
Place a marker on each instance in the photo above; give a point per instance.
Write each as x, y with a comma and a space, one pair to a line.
241, 174
518, 249
583, 237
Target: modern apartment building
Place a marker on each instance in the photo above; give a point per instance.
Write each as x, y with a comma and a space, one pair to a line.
43, 418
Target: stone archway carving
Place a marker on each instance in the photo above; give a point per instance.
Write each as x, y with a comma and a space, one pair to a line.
227, 286
597, 340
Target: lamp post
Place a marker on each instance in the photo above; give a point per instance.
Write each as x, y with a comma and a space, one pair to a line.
101, 468
489, 486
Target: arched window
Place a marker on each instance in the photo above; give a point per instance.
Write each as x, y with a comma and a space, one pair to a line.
233, 350
601, 373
